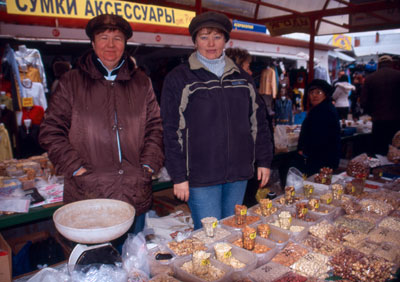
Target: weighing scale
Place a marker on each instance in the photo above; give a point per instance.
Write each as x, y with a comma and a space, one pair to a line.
93, 224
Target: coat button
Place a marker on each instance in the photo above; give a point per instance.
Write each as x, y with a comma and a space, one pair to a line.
121, 171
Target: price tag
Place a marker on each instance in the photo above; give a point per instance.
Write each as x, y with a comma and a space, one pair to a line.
323, 180
215, 224
340, 191
317, 205
329, 200
311, 190
292, 193
353, 189
27, 102
304, 210
205, 262
269, 205
243, 212
228, 254
290, 220
253, 236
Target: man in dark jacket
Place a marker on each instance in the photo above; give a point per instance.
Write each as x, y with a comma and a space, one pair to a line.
103, 128
380, 98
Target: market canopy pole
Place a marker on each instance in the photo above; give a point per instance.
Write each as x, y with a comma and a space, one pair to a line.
311, 50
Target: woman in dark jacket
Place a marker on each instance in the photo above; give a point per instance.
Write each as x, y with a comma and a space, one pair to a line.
214, 125
319, 141
103, 128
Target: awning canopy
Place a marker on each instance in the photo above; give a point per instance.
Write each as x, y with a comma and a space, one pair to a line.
340, 55
288, 16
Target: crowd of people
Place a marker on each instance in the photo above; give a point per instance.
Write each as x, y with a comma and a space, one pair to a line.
106, 133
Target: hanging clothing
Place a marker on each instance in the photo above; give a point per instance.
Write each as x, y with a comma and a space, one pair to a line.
7, 117
4, 99
35, 90
268, 82
283, 111
32, 73
5, 144
28, 142
35, 113
11, 73
321, 73
298, 78
31, 57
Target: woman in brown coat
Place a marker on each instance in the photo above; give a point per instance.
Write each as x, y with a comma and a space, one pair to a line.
103, 128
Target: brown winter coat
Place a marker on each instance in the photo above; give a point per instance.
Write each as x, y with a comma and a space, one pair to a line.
80, 129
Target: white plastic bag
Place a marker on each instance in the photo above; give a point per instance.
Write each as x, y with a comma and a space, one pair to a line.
134, 254
281, 138
294, 178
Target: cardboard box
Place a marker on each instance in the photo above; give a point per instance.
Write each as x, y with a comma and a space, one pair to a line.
5, 261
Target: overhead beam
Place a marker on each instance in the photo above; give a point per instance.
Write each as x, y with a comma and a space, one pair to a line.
359, 8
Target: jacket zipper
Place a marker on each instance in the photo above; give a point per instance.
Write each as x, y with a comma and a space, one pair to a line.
227, 126
116, 127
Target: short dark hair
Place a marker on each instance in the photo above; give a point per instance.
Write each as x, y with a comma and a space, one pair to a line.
238, 55
343, 78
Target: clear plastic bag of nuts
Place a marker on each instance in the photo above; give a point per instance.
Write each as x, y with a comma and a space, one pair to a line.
240, 214
249, 238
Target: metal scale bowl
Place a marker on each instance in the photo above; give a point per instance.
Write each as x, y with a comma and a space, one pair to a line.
95, 222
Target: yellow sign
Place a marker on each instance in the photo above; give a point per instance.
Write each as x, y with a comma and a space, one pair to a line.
87, 9
27, 102
342, 41
300, 24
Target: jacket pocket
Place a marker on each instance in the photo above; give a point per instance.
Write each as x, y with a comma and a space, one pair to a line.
87, 184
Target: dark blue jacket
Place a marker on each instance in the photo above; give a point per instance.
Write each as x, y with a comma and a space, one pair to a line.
215, 129
320, 137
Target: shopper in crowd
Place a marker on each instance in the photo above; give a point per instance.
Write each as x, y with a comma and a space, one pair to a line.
380, 98
215, 127
341, 96
319, 141
103, 128
355, 107
340, 74
241, 57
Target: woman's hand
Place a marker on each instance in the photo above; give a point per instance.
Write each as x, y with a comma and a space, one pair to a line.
80, 171
181, 191
263, 175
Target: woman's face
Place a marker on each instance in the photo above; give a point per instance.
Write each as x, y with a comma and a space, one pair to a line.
210, 43
316, 96
246, 67
109, 46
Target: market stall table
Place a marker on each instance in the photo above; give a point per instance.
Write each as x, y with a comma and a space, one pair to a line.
46, 212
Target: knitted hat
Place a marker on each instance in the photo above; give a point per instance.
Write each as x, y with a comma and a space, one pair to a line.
107, 21
210, 19
321, 84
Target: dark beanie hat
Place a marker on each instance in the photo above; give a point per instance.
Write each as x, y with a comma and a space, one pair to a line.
321, 84
108, 22
210, 19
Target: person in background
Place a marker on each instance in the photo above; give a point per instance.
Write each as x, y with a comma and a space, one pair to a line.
241, 57
380, 98
341, 96
103, 129
214, 123
355, 108
283, 107
340, 74
319, 140
59, 68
